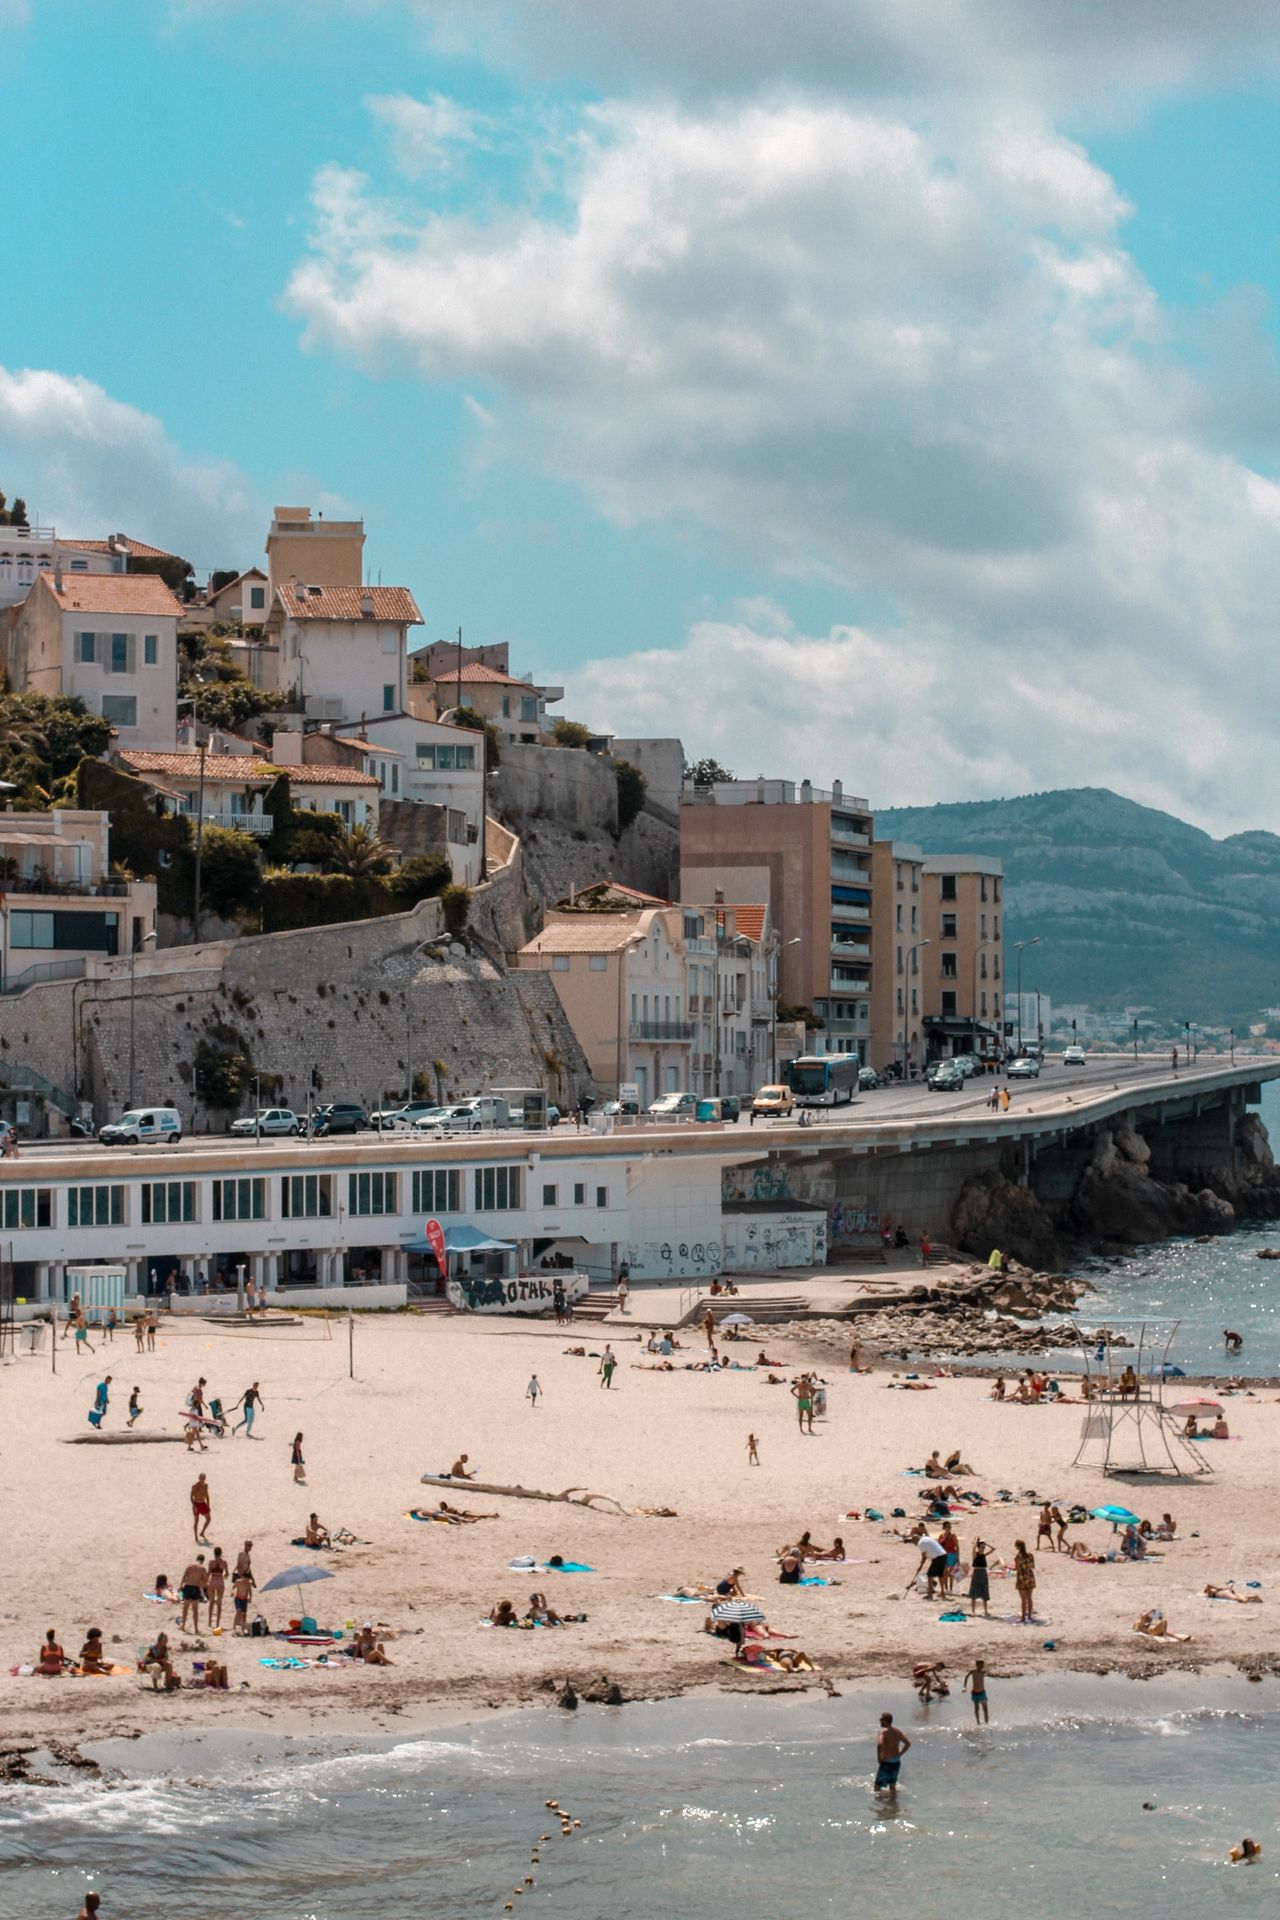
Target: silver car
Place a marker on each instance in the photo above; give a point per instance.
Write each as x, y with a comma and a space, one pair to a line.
268, 1121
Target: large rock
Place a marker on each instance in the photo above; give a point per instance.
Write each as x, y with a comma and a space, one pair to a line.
991, 1212
1125, 1204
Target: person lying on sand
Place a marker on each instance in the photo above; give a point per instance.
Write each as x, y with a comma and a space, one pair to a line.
1079, 1550
1226, 1593
1156, 1627
763, 1360
777, 1659
452, 1516
834, 1552
316, 1534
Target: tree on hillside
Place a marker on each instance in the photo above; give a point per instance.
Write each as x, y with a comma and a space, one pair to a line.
360, 853
569, 733
632, 788
222, 577
468, 717
706, 772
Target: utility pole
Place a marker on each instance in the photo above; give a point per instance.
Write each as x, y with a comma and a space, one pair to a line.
1018, 945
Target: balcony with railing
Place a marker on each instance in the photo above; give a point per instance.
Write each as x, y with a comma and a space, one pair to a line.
258, 825
848, 989
672, 1032
843, 835
849, 949
38, 886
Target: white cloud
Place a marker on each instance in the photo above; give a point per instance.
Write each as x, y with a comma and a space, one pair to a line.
425, 135
92, 465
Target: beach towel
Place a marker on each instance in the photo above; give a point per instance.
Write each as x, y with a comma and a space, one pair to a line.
687, 1599
953, 1619
525, 1563
814, 1580
163, 1599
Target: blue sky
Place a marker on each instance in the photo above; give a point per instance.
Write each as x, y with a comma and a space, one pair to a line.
849, 409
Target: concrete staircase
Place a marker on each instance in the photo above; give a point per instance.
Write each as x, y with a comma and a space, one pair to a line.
762, 1307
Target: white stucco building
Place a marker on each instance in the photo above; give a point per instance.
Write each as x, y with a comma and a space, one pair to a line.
110, 640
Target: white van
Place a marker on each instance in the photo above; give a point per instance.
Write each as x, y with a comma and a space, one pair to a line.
674, 1106
143, 1127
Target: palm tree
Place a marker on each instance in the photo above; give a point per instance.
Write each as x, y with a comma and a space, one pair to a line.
360, 853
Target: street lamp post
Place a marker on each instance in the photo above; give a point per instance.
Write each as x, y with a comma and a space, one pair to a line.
1186, 1028
1135, 1043
133, 956
1018, 945
794, 941
912, 951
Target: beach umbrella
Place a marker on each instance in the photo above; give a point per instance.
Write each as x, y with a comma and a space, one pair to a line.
1118, 1516
298, 1577
745, 1612
1186, 1408
737, 1320
1173, 1373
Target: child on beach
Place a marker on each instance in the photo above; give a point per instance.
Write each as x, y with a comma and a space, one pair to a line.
753, 1451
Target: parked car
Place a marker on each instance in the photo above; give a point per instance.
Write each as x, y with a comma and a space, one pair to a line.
340, 1116
674, 1106
473, 1116
268, 1120
775, 1100
966, 1064
553, 1114
430, 1120
399, 1119
616, 1108
868, 1079
1074, 1056
946, 1077
1025, 1067
142, 1127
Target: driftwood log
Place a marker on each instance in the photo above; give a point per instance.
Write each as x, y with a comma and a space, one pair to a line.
125, 1439
572, 1496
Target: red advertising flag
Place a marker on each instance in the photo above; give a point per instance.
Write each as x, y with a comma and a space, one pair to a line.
435, 1238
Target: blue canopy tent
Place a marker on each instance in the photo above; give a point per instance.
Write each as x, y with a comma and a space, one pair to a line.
468, 1249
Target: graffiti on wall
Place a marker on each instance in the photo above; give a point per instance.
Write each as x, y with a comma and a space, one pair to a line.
673, 1259
771, 1181
853, 1221
795, 1240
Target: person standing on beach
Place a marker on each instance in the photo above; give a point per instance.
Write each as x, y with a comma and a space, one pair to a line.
241, 1589
250, 1400
135, 1406
753, 1451
215, 1588
152, 1325
1024, 1577
532, 1391
200, 1508
978, 1692
802, 1394
193, 1586
73, 1314
926, 1249
1044, 1527
980, 1579
101, 1399
890, 1747
298, 1463
140, 1331
608, 1361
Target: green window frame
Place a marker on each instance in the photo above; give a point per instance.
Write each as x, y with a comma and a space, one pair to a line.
371, 1193
305, 1196
168, 1202
498, 1189
239, 1199
437, 1190
95, 1206
26, 1207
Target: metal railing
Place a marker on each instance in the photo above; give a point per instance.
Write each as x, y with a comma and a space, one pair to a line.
46, 970
661, 1030
44, 885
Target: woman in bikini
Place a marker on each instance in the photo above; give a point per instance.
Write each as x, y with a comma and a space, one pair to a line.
91, 1653
215, 1588
1024, 1577
51, 1659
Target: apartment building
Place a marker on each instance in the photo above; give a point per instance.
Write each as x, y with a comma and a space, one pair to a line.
320, 552
897, 1009
516, 707
58, 901
342, 652
235, 784
806, 853
27, 552
108, 639
962, 966
731, 969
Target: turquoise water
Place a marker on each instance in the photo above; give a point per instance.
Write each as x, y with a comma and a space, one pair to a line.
711, 1807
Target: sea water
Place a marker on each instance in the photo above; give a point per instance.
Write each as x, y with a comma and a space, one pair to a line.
727, 1809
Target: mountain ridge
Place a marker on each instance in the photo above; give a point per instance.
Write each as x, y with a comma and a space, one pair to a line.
1133, 906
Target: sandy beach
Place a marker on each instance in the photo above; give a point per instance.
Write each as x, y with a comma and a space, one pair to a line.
89, 1527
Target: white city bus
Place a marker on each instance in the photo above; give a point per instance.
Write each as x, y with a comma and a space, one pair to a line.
824, 1079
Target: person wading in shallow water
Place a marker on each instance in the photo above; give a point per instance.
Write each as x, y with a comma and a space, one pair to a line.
890, 1747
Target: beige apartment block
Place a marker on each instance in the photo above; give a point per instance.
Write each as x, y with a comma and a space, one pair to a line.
897, 1006
963, 965
319, 552
110, 640
806, 853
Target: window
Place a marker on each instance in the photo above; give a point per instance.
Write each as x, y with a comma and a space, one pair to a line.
948, 1003
388, 699
579, 1195
949, 966
549, 1196
85, 649
598, 963
948, 926
983, 918
95, 1206
150, 650
395, 776
984, 886
239, 1199
445, 759
457, 826
497, 1189
121, 709
118, 660
371, 1193
528, 707
948, 886
30, 929
899, 920
506, 706
602, 1196
559, 963
165, 1201
437, 1191
27, 1207
305, 1196
899, 960
257, 598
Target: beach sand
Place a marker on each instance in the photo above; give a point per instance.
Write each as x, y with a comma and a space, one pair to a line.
88, 1527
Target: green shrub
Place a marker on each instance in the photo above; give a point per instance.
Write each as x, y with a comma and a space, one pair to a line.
570, 733
422, 877
456, 902
632, 788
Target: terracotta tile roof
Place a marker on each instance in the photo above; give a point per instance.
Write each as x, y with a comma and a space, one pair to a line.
140, 593
474, 675
236, 769
343, 603
607, 889
138, 547
591, 933
750, 921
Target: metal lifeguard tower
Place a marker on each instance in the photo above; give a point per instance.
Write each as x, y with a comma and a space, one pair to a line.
1126, 1367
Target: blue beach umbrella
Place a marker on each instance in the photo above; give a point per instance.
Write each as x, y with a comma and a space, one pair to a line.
296, 1577
1118, 1516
